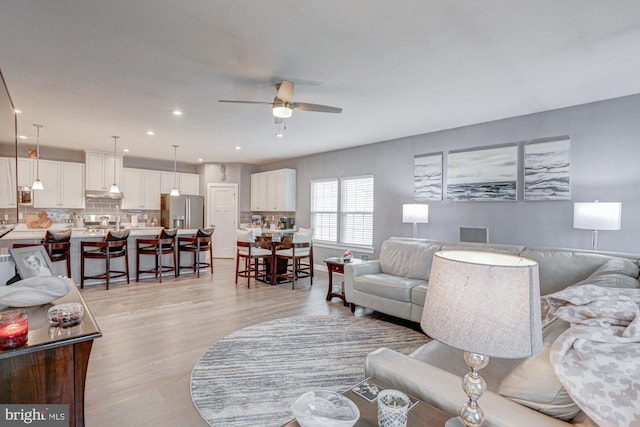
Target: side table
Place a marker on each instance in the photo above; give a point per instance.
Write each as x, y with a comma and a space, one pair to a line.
336, 265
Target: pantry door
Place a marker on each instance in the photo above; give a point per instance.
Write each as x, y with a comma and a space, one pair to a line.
222, 211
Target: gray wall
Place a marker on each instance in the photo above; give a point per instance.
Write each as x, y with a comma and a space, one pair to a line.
604, 154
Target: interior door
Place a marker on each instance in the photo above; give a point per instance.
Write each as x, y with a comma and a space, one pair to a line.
222, 211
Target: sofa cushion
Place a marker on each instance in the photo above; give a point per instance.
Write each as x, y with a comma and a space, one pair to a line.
615, 273
406, 258
560, 268
386, 286
419, 294
533, 382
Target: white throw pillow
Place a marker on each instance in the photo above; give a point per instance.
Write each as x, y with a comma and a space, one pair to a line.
533, 382
245, 236
615, 273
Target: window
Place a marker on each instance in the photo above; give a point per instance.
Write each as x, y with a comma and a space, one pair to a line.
342, 210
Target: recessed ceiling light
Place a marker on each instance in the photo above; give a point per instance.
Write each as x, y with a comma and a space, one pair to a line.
150, 133
22, 137
177, 112
200, 160
17, 111
126, 150
238, 147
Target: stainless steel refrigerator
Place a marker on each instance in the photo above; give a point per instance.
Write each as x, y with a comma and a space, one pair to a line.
181, 211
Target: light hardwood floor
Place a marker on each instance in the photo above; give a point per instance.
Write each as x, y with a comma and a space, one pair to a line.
153, 334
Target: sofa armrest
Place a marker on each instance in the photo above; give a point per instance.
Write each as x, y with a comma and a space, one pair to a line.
352, 270
444, 390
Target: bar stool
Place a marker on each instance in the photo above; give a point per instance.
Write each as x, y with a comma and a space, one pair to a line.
58, 245
201, 242
114, 245
296, 251
164, 244
252, 252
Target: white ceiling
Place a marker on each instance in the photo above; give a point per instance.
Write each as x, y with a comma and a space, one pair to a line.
87, 70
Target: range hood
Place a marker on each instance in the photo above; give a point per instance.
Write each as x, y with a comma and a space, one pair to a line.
93, 194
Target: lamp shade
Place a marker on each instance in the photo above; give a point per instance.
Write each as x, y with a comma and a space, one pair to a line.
597, 216
484, 303
415, 213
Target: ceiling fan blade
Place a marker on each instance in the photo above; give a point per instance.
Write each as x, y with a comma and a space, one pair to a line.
245, 102
304, 106
285, 91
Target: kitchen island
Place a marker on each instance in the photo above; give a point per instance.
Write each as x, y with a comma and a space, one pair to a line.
22, 234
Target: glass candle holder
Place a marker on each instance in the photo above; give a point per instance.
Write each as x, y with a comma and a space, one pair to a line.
393, 406
14, 327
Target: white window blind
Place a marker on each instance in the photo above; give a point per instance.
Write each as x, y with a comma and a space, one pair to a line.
324, 210
344, 216
357, 210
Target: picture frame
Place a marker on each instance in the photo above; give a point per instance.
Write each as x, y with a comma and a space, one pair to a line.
32, 261
483, 174
547, 170
427, 177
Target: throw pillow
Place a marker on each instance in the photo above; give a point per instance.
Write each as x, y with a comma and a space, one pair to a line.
615, 273
245, 236
533, 382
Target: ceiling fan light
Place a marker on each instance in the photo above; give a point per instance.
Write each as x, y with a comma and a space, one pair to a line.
282, 111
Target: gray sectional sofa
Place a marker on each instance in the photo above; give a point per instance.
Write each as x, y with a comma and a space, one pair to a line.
519, 392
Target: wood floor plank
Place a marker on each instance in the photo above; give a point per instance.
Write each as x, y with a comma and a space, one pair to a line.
153, 334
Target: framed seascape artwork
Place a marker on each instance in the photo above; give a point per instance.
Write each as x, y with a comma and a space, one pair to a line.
486, 174
547, 170
31, 261
427, 177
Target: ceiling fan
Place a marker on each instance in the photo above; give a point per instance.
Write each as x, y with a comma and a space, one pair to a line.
283, 105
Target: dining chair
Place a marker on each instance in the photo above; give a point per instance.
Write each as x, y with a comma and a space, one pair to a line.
252, 252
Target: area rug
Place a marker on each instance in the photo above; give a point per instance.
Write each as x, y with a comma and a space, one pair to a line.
251, 377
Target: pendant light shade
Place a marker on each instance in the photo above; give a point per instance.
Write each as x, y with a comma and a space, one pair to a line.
114, 187
174, 191
37, 184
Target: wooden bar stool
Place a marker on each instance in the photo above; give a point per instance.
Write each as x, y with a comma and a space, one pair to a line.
252, 252
114, 245
164, 244
201, 242
58, 245
296, 252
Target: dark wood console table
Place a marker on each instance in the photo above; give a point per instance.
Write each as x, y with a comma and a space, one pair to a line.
52, 367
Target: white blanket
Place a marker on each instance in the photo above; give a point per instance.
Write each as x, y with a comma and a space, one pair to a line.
597, 359
34, 291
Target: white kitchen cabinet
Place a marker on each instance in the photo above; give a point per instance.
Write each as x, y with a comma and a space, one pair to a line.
99, 170
8, 187
188, 183
26, 172
274, 191
141, 189
63, 185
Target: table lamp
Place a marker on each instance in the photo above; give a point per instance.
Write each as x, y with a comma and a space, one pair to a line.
487, 305
596, 216
415, 213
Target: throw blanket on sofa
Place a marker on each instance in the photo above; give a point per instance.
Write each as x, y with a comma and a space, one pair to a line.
597, 359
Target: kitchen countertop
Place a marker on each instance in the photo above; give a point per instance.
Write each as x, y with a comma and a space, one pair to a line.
21, 232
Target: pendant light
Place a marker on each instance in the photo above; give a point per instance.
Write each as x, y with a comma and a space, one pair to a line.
174, 191
114, 188
37, 184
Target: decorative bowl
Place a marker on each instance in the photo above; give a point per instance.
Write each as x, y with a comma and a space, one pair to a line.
323, 408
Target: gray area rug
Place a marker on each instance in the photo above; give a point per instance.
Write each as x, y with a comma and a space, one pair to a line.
251, 377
